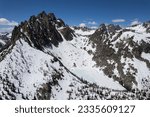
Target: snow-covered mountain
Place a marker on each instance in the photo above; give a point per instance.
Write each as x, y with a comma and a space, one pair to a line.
4, 38
47, 59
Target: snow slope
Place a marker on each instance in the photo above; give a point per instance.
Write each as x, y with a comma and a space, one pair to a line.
75, 57
28, 68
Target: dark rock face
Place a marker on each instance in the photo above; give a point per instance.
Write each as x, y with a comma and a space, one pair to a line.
40, 30
68, 33
147, 25
145, 47
81, 28
60, 23
112, 28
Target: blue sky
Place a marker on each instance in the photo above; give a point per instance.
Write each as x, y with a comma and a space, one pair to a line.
74, 12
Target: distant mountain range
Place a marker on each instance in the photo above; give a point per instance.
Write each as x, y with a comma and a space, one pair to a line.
45, 59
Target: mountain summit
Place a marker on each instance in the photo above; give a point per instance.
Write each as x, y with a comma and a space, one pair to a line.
41, 30
47, 59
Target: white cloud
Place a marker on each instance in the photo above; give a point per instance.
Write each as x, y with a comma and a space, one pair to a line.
135, 22
118, 20
94, 27
6, 25
4, 21
9, 29
82, 25
92, 23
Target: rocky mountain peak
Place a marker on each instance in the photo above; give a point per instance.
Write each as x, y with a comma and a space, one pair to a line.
82, 28
104, 33
147, 26
111, 28
44, 15
40, 31
102, 28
